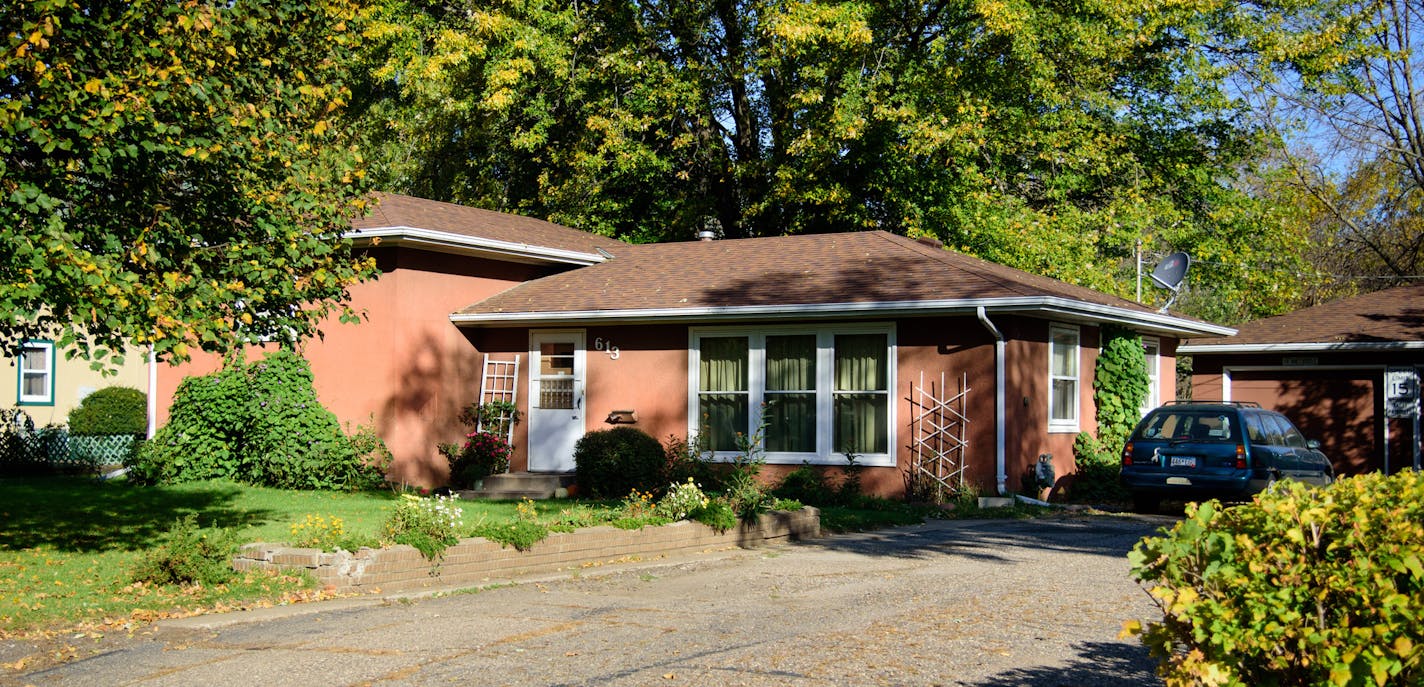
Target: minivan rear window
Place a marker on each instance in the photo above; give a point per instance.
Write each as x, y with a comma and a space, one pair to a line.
1187, 425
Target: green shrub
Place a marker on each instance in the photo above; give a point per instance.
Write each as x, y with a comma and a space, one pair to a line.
521, 534
481, 455
1120, 384
1097, 469
681, 501
685, 459
805, 484
809, 484
1300, 587
612, 462
486, 448
188, 554
1120, 387
327, 533
742, 487
258, 423
431, 525
718, 515
111, 410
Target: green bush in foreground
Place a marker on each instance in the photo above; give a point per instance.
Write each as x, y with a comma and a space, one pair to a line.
258, 423
188, 555
431, 525
1301, 587
612, 462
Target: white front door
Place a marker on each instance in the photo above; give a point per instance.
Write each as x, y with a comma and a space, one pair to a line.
556, 414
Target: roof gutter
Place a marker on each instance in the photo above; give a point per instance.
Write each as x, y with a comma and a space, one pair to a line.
1000, 363
1303, 347
448, 242
1053, 305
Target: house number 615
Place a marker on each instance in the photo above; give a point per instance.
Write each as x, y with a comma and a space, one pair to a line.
600, 344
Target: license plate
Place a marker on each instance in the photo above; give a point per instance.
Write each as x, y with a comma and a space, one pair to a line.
1182, 461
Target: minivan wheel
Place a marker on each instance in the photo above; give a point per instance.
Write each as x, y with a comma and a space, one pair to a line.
1142, 503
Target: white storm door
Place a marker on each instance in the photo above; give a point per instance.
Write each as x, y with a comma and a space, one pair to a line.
556, 413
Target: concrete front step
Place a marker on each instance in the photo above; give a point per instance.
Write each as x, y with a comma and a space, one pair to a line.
519, 485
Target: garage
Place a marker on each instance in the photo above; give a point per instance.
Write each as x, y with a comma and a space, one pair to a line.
1346, 372
1338, 408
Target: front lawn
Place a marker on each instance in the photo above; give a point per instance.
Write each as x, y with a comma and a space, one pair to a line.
68, 545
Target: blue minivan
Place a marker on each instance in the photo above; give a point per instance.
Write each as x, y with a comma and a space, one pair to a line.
1192, 451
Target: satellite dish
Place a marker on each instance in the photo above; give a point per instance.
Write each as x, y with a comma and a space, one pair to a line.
1169, 275
1171, 271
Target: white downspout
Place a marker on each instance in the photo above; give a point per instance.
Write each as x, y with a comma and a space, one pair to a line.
152, 392
999, 396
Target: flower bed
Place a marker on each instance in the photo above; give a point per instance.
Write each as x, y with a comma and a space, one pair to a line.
477, 560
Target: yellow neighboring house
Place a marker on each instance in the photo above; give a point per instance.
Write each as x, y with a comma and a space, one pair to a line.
46, 385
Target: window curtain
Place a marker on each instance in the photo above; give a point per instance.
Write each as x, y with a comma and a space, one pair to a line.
862, 394
791, 393
723, 397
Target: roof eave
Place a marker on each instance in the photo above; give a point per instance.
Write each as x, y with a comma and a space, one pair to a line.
1036, 305
1302, 347
460, 244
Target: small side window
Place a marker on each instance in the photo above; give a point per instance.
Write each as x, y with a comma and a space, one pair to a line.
1292, 436
1254, 430
1275, 433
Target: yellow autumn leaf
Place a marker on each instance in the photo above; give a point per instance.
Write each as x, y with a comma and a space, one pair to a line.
320, 127
93, 86
231, 51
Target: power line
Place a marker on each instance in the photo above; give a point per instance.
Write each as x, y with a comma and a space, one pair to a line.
1342, 277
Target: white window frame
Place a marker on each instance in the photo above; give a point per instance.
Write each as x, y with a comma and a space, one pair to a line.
1066, 424
825, 388
47, 398
1152, 349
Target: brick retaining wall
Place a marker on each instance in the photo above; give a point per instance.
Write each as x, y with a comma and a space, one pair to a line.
477, 560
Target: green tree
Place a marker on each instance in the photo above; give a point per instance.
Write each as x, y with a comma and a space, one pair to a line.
172, 172
1047, 136
1339, 83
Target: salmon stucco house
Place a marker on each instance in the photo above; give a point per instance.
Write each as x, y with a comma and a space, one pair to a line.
821, 346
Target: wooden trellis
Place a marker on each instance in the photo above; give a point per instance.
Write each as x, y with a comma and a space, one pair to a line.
499, 382
940, 436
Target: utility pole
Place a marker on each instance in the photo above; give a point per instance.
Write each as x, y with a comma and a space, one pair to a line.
1138, 253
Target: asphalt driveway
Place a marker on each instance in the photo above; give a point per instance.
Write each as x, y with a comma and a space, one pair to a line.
983, 603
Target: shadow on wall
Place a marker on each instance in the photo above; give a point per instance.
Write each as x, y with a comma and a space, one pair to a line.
1340, 414
438, 380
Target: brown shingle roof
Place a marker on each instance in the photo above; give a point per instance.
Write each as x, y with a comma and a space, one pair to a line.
786, 272
1388, 316
395, 210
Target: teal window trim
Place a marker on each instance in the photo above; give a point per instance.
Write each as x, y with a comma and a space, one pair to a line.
21, 372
